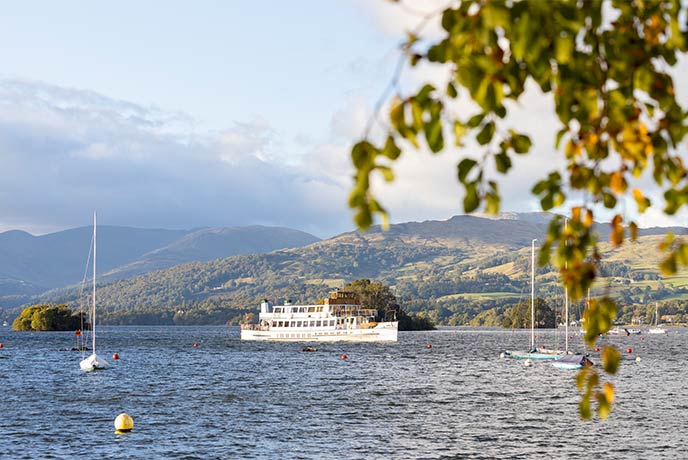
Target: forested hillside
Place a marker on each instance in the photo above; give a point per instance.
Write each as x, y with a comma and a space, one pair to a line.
452, 270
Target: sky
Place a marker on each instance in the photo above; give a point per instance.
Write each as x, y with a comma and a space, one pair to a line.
171, 114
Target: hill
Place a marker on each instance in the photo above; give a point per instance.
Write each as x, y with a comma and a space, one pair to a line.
452, 270
30, 265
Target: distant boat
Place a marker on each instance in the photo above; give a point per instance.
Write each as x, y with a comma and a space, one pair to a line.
624, 331
94, 361
4, 324
533, 353
339, 318
656, 329
572, 362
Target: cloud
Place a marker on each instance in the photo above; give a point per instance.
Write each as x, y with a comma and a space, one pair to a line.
427, 187
65, 152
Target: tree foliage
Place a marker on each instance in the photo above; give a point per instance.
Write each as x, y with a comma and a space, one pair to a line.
519, 316
374, 294
606, 66
47, 317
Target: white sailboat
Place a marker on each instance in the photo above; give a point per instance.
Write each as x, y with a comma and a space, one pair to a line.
94, 361
569, 360
656, 329
533, 353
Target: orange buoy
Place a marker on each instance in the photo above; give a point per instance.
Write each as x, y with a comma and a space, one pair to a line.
1, 345
115, 356
543, 347
642, 338
428, 345
195, 345
77, 333
344, 356
629, 350
597, 348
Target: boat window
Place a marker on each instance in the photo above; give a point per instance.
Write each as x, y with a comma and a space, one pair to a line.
311, 309
298, 324
318, 324
319, 309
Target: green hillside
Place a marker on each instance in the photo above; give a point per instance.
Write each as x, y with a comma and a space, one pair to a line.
452, 270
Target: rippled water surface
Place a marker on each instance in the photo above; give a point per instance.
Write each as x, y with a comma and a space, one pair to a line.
233, 399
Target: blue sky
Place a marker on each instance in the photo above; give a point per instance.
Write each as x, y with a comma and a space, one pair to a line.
215, 113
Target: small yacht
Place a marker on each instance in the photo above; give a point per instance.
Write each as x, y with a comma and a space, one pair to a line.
656, 329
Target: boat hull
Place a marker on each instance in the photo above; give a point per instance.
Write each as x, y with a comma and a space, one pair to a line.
92, 363
571, 366
532, 355
383, 332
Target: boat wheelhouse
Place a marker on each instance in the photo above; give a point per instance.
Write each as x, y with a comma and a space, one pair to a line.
340, 318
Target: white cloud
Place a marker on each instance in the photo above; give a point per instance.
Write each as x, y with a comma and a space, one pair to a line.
65, 152
427, 186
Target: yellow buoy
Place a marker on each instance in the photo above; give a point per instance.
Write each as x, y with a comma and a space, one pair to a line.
124, 423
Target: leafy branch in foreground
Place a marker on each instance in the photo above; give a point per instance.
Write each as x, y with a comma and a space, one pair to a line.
606, 65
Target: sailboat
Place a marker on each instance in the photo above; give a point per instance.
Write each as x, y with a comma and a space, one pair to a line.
656, 329
94, 361
569, 360
533, 353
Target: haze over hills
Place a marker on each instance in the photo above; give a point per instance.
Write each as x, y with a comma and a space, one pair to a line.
34, 264
453, 269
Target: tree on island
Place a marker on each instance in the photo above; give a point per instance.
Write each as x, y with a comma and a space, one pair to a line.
520, 316
374, 294
606, 64
47, 317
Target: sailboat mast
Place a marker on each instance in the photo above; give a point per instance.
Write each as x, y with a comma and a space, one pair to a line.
566, 299
93, 316
532, 295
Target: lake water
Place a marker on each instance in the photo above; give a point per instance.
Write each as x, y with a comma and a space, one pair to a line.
233, 399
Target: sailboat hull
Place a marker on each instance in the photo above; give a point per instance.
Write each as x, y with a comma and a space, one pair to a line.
93, 363
532, 355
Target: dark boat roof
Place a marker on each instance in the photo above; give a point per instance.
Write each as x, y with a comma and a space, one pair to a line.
573, 359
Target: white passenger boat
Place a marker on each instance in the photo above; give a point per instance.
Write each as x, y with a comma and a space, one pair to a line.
339, 318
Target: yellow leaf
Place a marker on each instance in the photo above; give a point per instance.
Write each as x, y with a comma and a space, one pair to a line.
617, 182
608, 389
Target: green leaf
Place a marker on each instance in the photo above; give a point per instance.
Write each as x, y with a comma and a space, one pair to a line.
386, 172
451, 90
563, 48
493, 199
611, 358
460, 131
433, 134
485, 134
417, 115
521, 143
475, 120
423, 95
503, 162
391, 150
471, 201
465, 167
363, 154
560, 135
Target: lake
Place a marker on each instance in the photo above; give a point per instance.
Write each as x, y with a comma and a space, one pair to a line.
232, 399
